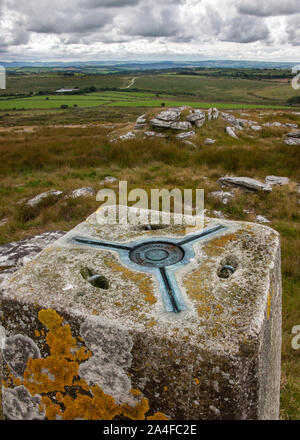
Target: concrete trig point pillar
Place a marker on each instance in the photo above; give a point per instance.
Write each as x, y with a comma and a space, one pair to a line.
123, 320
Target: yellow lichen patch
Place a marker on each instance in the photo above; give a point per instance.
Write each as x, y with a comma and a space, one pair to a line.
56, 371
197, 381
59, 372
137, 412
37, 333
219, 309
135, 392
215, 247
98, 407
50, 374
52, 410
143, 281
152, 323
197, 286
158, 416
50, 318
204, 310
60, 339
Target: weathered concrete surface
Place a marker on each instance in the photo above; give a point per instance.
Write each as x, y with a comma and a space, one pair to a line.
68, 341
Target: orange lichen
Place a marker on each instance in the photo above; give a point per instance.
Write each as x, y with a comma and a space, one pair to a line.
135, 392
197, 381
158, 416
50, 374
137, 412
216, 246
52, 410
37, 333
143, 281
59, 372
219, 309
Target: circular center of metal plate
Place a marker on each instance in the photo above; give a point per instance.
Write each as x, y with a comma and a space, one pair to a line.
157, 254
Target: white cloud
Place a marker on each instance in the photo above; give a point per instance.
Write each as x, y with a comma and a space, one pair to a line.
114, 29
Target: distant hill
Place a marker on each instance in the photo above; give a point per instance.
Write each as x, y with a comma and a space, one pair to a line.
143, 65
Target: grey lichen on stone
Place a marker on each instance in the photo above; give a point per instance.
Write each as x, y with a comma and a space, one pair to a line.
18, 404
109, 342
111, 347
18, 350
112, 379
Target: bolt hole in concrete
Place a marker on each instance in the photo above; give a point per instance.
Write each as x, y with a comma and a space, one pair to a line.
96, 280
151, 227
227, 267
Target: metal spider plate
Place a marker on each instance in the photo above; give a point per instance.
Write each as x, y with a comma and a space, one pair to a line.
157, 254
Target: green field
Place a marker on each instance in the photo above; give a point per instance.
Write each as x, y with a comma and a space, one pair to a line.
37, 91
115, 99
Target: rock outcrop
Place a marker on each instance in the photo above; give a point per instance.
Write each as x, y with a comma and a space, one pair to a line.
245, 182
275, 180
14, 255
37, 199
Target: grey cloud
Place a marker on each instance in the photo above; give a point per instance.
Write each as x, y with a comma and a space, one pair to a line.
109, 3
244, 29
293, 30
267, 8
152, 20
60, 23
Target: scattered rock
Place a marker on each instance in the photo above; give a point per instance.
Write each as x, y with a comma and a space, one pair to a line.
14, 255
230, 131
233, 121
170, 115
159, 123
37, 199
294, 134
215, 113
82, 192
141, 122
196, 115
256, 127
223, 196
212, 113
181, 125
291, 125
245, 182
109, 179
128, 135
185, 134
261, 219
209, 141
155, 134
292, 141
273, 124
275, 180
200, 122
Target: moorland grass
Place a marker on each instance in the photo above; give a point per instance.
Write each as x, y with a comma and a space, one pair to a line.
64, 159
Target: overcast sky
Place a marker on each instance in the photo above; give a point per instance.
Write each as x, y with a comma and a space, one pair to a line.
85, 30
